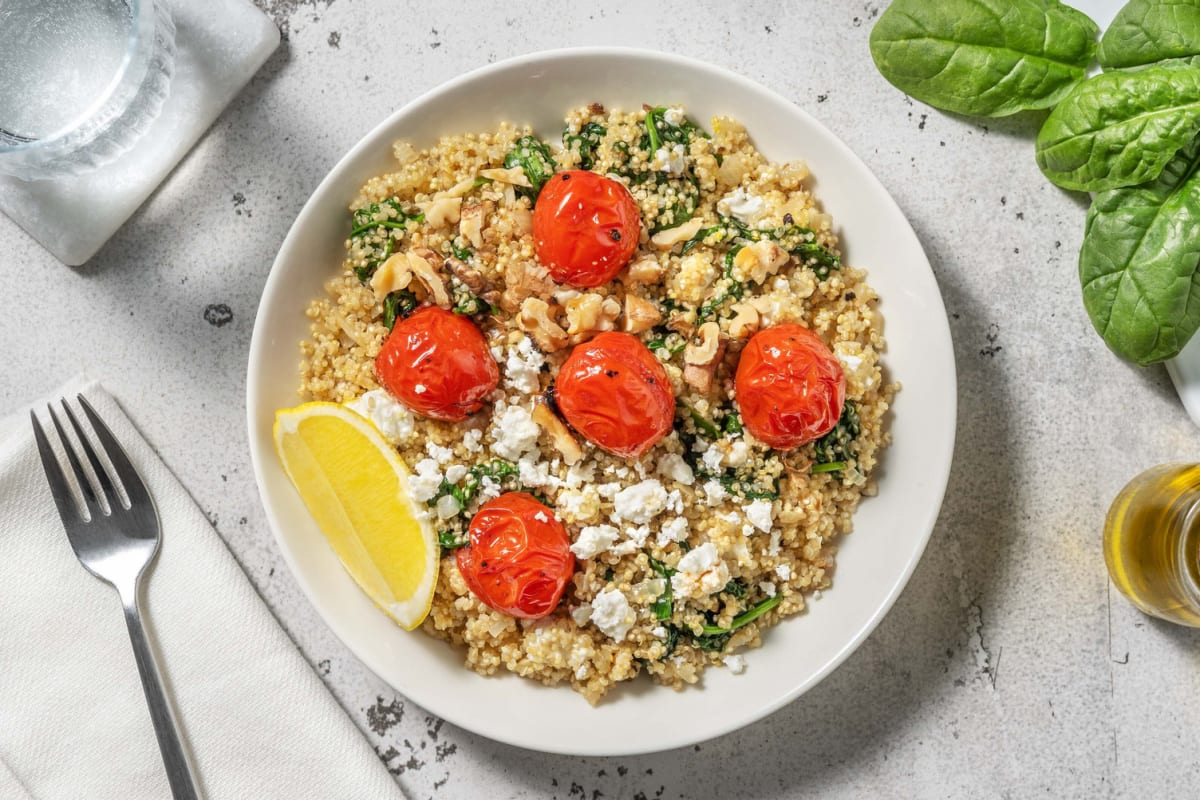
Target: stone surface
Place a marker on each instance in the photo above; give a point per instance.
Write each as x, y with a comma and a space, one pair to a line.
1008, 668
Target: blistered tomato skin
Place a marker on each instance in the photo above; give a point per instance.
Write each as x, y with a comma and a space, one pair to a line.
616, 394
438, 364
585, 228
519, 559
790, 387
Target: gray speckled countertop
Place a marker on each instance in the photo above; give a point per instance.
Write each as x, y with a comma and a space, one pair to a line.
1008, 668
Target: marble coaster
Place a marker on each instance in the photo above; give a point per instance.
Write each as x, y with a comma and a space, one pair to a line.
219, 44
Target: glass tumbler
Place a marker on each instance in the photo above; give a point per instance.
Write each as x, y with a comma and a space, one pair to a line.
1152, 542
80, 81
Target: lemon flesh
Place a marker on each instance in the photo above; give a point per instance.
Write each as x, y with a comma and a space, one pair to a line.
355, 485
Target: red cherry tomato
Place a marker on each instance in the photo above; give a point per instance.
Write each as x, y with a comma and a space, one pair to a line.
438, 364
585, 228
790, 387
519, 559
616, 394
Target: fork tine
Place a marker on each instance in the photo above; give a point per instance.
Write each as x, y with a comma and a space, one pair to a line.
106, 484
85, 486
60, 488
135, 488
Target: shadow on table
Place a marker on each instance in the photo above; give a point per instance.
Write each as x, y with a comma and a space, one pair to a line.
933, 642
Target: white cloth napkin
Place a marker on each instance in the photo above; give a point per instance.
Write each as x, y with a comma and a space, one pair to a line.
73, 720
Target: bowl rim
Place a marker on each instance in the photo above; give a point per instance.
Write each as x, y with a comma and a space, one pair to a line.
939, 478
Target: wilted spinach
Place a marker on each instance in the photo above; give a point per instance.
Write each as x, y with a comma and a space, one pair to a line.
833, 452
534, 158
586, 143
398, 305
983, 57
1140, 262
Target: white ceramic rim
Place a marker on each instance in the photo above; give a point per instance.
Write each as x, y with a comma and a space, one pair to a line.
938, 461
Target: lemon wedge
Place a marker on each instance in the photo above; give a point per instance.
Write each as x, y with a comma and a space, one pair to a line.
356, 487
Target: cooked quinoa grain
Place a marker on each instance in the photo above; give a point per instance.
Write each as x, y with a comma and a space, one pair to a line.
685, 556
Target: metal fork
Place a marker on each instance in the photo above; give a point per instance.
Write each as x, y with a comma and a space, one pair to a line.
116, 540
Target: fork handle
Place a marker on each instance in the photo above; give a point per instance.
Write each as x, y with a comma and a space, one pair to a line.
179, 770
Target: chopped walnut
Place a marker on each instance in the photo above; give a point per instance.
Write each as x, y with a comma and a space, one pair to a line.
442, 211
640, 314
589, 314
756, 261
470, 224
745, 321
514, 176
563, 441
391, 276
701, 358
645, 270
524, 279
536, 320
471, 277
424, 264
665, 240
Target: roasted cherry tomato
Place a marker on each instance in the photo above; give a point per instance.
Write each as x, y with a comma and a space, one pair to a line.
616, 394
585, 227
519, 558
790, 387
438, 364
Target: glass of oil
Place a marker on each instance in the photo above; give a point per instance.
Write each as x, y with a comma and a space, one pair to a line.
1152, 542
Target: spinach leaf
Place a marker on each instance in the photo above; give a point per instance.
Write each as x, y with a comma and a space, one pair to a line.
1140, 262
452, 539
586, 142
703, 424
398, 305
374, 225
833, 451
983, 57
534, 158
499, 470
713, 638
1146, 31
1120, 128
797, 240
664, 605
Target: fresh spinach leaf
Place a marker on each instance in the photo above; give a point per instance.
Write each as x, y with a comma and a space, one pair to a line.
1148, 31
1140, 262
452, 539
398, 305
664, 605
713, 638
586, 143
1120, 128
833, 450
983, 57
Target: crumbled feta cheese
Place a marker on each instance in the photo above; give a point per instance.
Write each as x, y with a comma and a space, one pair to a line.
420, 388
761, 514
741, 204
514, 432
534, 473
447, 506
700, 572
497, 352
674, 467
641, 502
456, 472
674, 116
739, 453
438, 453
593, 540
581, 614
424, 484
580, 473
489, 489
523, 367
673, 530
391, 418
471, 440
767, 588
576, 506
671, 160
736, 663
658, 632
608, 490
784, 572
712, 458
773, 547
675, 501
612, 614
715, 492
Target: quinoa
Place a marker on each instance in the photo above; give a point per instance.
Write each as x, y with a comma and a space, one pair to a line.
714, 523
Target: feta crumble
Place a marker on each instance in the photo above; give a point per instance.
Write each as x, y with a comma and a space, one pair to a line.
612, 614
700, 572
456, 472
424, 484
671, 160
593, 540
673, 466
673, 530
741, 204
736, 663
641, 502
514, 433
523, 367
715, 492
674, 116
391, 418
438, 453
472, 440
761, 514
784, 572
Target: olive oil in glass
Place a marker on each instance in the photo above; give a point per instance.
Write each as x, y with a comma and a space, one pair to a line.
1152, 542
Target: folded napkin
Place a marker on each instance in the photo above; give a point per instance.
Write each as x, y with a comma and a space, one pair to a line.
73, 721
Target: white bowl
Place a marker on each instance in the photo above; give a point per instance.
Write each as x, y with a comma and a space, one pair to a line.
891, 529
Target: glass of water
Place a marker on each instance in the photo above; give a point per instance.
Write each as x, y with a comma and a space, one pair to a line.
80, 81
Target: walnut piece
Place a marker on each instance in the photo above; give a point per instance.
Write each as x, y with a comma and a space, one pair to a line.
646, 270
665, 240
442, 211
755, 262
471, 277
701, 358
514, 176
524, 279
745, 321
392, 275
424, 264
640, 314
589, 314
536, 320
470, 224
563, 441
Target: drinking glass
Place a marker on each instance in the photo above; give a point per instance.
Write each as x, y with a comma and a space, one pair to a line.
80, 81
